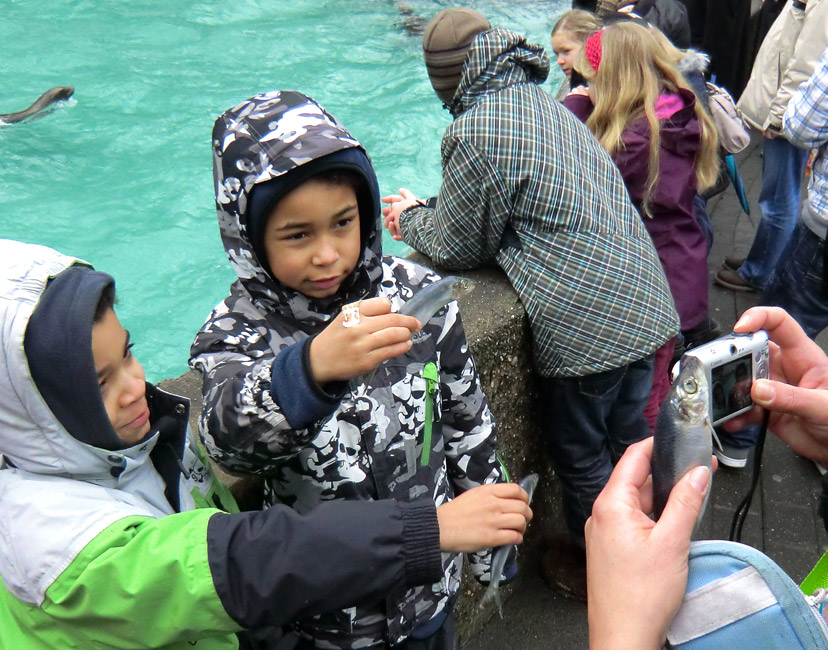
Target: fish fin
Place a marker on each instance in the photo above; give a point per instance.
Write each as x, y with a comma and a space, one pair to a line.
498, 603
715, 436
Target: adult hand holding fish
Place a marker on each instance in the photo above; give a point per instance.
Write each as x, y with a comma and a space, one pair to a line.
636, 567
374, 334
797, 392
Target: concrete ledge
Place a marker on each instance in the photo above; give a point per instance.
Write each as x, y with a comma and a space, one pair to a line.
498, 331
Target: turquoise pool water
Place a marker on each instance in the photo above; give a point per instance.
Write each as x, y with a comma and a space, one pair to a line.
120, 174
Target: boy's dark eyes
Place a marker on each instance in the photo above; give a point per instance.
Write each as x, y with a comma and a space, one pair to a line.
128, 351
342, 223
294, 236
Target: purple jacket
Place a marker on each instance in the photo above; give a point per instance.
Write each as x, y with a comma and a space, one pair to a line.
676, 234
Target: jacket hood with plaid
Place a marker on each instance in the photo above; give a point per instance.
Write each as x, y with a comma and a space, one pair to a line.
526, 185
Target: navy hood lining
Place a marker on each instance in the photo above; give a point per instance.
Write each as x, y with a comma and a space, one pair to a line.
263, 197
58, 346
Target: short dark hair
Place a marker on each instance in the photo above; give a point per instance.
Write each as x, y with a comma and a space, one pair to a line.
105, 303
341, 177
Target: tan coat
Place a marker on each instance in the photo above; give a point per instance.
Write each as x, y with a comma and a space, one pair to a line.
787, 57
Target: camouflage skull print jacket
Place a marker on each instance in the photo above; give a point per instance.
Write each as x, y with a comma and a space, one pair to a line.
350, 441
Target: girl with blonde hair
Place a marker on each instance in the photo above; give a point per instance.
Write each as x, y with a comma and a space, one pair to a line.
569, 34
644, 113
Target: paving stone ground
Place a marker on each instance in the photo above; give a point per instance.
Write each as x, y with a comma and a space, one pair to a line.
782, 521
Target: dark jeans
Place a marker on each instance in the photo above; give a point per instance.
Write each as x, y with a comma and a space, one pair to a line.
797, 284
591, 420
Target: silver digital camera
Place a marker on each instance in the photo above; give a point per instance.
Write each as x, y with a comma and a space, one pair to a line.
731, 363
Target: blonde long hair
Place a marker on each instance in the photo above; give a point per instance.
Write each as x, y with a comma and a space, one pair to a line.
635, 69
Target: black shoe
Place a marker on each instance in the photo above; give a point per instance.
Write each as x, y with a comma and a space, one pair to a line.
706, 331
563, 568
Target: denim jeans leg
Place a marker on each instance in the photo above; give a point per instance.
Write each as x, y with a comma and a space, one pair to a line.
797, 284
782, 168
627, 422
578, 412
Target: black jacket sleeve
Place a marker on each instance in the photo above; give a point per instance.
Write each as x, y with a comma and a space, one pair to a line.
274, 566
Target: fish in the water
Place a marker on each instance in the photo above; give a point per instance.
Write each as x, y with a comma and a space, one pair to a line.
683, 434
432, 299
500, 554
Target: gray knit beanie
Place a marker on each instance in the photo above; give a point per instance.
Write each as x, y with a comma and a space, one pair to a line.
446, 43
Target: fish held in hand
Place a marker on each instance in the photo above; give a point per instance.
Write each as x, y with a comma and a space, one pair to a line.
435, 296
430, 300
501, 553
683, 437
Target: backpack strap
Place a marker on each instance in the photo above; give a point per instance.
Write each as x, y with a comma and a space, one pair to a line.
737, 597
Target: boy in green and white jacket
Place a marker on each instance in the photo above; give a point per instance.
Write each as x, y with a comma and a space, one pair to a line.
104, 542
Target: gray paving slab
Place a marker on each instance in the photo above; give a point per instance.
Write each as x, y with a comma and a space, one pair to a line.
782, 520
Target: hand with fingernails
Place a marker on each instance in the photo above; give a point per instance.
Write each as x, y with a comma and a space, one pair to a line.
340, 353
797, 392
396, 204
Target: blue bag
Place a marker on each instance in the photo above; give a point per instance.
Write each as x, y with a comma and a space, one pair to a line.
738, 598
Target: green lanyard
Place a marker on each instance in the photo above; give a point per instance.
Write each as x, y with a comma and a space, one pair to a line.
817, 578
431, 377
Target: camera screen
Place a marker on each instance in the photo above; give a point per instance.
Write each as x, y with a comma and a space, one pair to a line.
731, 387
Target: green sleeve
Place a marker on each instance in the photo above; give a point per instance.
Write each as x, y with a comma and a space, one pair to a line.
143, 582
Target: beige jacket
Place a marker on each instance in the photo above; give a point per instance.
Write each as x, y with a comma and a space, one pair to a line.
787, 57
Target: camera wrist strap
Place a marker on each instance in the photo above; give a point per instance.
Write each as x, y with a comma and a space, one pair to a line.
741, 512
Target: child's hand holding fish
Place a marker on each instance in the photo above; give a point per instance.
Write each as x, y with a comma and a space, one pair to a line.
797, 392
636, 567
372, 335
485, 516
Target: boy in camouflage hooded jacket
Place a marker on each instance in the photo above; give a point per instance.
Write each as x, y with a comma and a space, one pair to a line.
278, 403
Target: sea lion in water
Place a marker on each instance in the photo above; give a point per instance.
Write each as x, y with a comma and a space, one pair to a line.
44, 101
411, 22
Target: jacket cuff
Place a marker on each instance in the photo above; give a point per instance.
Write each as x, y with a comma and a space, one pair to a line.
421, 534
293, 387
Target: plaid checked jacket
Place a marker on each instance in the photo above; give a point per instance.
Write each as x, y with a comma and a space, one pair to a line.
526, 185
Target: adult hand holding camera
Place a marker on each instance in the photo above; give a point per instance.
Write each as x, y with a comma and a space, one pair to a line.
797, 392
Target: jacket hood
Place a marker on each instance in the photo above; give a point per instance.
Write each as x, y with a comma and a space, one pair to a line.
681, 132
281, 135
497, 59
31, 436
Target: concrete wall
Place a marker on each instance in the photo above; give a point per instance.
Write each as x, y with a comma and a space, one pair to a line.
498, 332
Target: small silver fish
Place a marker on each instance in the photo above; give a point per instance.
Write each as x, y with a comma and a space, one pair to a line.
435, 296
683, 435
430, 300
500, 554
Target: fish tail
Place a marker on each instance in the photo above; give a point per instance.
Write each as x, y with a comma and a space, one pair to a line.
492, 593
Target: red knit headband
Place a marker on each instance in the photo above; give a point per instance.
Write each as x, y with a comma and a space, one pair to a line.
592, 47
